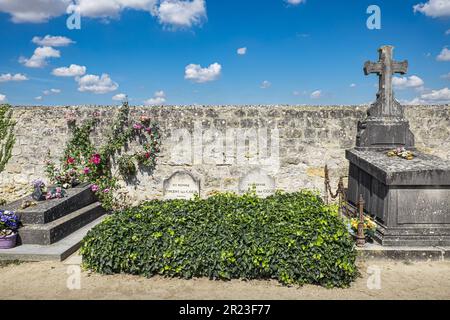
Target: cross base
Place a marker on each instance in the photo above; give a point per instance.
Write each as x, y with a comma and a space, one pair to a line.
384, 133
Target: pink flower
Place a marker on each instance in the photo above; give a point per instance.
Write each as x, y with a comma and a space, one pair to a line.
106, 190
95, 159
94, 188
137, 126
86, 170
70, 160
149, 130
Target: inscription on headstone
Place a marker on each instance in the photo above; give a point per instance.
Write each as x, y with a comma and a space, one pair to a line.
181, 185
260, 180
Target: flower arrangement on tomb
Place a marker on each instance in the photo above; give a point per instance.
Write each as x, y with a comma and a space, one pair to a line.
369, 226
41, 192
402, 153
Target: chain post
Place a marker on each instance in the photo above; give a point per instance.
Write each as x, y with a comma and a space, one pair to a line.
360, 238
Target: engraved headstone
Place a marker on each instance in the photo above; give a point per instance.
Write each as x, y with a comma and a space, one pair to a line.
263, 183
181, 185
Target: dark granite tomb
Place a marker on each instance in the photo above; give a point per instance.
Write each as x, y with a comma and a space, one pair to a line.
409, 198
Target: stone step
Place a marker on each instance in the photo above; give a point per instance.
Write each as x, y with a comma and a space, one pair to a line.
51, 210
58, 251
46, 234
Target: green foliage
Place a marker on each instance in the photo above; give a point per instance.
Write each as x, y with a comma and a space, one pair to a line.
294, 238
7, 138
127, 167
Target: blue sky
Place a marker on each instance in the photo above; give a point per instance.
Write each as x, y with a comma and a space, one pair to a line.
185, 52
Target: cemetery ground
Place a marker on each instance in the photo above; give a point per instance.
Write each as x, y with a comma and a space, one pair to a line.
48, 280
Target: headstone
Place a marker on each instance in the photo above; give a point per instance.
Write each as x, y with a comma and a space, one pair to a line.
385, 126
408, 198
263, 183
181, 185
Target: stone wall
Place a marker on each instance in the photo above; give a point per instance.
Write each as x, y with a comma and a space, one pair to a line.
220, 144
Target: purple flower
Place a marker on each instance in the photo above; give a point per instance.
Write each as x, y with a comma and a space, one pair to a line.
137, 126
94, 188
106, 190
38, 183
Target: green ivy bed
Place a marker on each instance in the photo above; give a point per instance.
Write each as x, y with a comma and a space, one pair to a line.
294, 238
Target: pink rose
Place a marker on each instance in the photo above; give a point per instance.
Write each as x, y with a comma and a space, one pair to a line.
86, 170
95, 159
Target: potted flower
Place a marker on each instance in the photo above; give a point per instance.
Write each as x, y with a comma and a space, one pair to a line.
9, 224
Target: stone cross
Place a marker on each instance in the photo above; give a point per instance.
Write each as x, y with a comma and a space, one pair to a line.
386, 67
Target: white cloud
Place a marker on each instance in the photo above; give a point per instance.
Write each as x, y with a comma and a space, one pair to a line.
295, 2
159, 98
182, 13
316, 94
2, 98
39, 98
120, 97
52, 41
73, 70
407, 82
96, 84
196, 73
51, 91
112, 8
444, 55
446, 76
441, 96
434, 8
353, 85
447, 32
13, 77
34, 11
265, 84
40, 56
242, 51
177, 13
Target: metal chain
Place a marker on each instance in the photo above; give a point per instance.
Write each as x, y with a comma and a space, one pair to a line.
340, 192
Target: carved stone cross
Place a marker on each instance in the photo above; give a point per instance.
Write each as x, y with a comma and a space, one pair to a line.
386, 67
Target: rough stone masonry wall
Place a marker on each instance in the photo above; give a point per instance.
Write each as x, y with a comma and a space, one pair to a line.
309, 138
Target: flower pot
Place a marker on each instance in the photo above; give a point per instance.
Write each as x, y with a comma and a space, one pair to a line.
8, 242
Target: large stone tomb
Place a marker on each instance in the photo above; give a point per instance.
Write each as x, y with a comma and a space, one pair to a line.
409, 198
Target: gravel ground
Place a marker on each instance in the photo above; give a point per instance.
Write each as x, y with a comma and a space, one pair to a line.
48, 280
